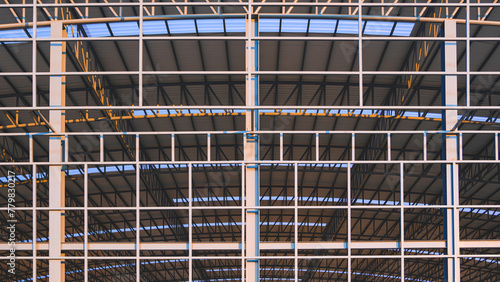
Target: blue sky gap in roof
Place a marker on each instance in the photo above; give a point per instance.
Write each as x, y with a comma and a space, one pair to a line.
232, 25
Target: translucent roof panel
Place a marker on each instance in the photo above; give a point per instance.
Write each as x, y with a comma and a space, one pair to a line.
13, 33
210, 25
269, 25
348, 26
154, 27
235, 25
181, 26
96, 30
159, 27
322, 26
41, 32
403, 29
294, 25
125, 28
378, 28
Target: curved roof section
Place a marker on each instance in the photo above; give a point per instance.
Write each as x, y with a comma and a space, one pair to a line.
230, 25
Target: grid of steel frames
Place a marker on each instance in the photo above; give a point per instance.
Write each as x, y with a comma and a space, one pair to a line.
185, 255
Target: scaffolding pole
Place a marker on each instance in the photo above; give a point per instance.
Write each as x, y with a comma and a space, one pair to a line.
450, 171
56, 153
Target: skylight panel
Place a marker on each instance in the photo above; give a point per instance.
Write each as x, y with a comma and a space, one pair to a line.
154, 27
348, 26
13, 33
96, 30
140, 112
322, 26
181, 26
73, 32
210, 25
232, 25
235, 25
41, 32
124, 28
294, 25
403, 29
269, 25
378, 28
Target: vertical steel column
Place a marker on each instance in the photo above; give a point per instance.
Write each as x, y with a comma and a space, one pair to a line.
450, 151
252, 152
56, 152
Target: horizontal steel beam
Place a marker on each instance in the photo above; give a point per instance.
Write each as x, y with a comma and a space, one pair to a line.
291, 72
242, 38
326, 16
276, 107
335, 245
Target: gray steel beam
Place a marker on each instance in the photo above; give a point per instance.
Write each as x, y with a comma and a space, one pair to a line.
251, 152
56, 154
451, 153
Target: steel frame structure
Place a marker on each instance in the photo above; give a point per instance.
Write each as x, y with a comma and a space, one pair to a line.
273, 176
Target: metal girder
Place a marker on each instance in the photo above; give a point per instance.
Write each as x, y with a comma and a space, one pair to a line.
251, 143
450, 148
56, 148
